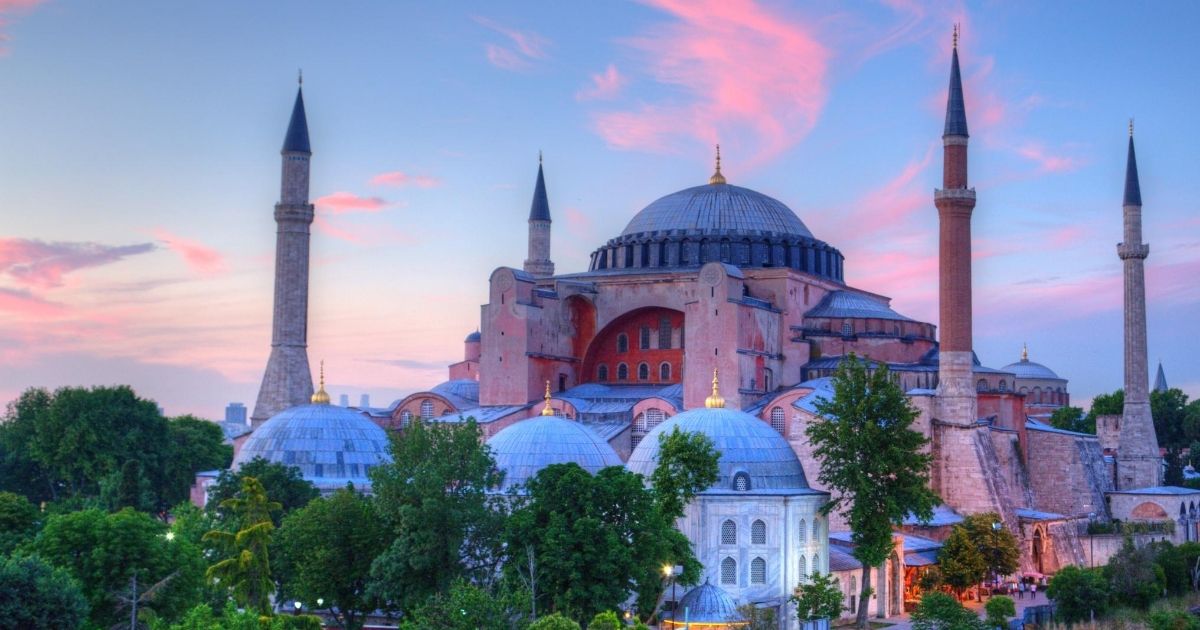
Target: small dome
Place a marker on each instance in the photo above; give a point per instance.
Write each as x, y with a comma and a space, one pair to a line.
1026, 369
717, 209
463, 392
523, 449
331, 445
473, 337
748, 447
709, 605
849, 304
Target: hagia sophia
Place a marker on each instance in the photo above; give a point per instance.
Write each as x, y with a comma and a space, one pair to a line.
717, 310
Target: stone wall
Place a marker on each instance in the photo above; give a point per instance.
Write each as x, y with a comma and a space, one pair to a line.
1066, 473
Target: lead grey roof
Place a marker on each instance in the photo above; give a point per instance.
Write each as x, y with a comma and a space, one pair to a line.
296, 139
747, 444
1133, 189
331, 445
1159, 490
463, 392
1034, 425
523, 449
942, 515
841, 561
1038, 515
1160, 380
709, 604
956, 109
717, 209
1031, 370
853, 305
539, 210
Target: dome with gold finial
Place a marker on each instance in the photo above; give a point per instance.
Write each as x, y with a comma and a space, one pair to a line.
321, 397
715, 401
523, 449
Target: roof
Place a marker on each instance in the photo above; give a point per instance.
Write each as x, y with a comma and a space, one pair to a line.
523, 449
709, 604
1034, 425
475, 336
539, 210
822, 391
853, 305
717, 209
921, 558
1027, 369
942, 515
912, 544
956, 109
1133, 189
1038, 515
1160, 380
462, 392
296, 139
1159, 490
483, 415
841, 561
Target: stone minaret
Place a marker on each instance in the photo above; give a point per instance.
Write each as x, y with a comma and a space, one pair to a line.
539, 263
955, 202
1138, 462
288, 379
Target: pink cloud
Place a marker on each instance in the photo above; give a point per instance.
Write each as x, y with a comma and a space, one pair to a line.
24, 304
605, 85
579, 224
526, 46
200, 257
42, 264
10, 6
399, 179
358, 234
1047, 163
342, 202
739, 71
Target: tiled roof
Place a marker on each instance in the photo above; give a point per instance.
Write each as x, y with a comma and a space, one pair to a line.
709, 604
853, 305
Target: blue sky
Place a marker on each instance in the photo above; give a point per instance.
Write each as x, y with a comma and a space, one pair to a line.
139, 168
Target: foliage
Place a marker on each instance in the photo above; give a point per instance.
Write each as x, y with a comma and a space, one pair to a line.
960, 560
554, 622
931, 579
1173, 619
1130, 528
328, 546
1173, 561
940, 611
105, 551
246, 568
195, 445
1072, 419
1107, 405
594, 539
18, 521
759, 617
607, 620
1078, 593
687, 464
998, 546
128, 488
283, 484
434, 503
36, 596
874, 462
1133, 577
999, 609
464, 606
818, 598
203, 618
1176, 424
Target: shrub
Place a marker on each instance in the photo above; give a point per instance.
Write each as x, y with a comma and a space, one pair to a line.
607, 620
1173, 620
1078, 593
554, 622
940, 611
999, 609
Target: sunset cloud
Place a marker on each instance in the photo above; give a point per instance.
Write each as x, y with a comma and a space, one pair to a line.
199, 257
22, 303
400, 179
9, 7
41, 264
1046, 161
605, 85
522, 49
342, 202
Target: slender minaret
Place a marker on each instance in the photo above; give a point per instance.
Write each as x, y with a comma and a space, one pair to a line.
287, 381
1160, 380
539, 263
1139, 464
955, 202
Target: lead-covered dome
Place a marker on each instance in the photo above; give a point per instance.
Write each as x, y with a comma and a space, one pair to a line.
1027, 369
717, 208
523, 449
331, 445
755, 458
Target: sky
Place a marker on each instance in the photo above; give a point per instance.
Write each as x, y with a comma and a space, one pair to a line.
139, 168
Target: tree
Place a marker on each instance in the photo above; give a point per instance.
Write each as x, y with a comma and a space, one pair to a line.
283, 483
1133, 577
195, 445
463, 606
18, 521
554, 622
874, 462
1106, 405
999, 609
1173, 619
104, 552
128, 488
939, 611
758, 617
607, 620
1072, 419
818, 598
36, 596
1174, 564
1172, 422
687, 464
328, 546
246, 568
434, 502
961, 562
997, 545
1080, 594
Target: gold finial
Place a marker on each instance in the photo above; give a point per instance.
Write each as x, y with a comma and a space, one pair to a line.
1024, 351
320, 397
300, 77
547, 411
1130, 127
956, 34
715, 401
717, 177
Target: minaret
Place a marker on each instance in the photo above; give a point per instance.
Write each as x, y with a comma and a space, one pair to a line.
1139, 464
539, 263
1160, 380
955, 202
287, 381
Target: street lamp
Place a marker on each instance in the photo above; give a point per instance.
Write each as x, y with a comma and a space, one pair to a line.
297, 605
1091, 542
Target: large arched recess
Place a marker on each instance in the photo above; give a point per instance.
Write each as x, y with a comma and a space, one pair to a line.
583, 323
604, 349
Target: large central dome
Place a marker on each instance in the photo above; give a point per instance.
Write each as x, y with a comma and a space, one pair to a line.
716, 209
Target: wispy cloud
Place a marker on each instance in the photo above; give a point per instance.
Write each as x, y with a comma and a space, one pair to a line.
400, 179
413, 364
342, 202
22, 303
604, 86
9, 7
199, 257
739, 71
522, 49
42, 264
1046, 161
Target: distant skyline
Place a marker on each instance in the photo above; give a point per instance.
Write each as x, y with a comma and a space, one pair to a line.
139, 169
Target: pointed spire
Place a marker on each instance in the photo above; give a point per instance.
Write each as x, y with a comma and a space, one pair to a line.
539, 210
1133, 190
956, 109
1160, 380
321, 397
1024, 352
296, 140
717, 177
547, 411
715, 401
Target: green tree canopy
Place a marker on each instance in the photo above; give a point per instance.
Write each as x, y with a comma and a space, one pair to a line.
246, 566
999, 609
1176, 424
960, 560
1106, 405
876, 465
18, 521
1134, 579
687, 464
996, 544
463, 606
1079, 593
328, 546
939, 611
195, 445
554, 622
1072, 419
820, 597
283, 483
37, 596
128, 488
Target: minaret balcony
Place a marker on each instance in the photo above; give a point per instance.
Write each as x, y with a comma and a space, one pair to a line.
1126, 251
954, 193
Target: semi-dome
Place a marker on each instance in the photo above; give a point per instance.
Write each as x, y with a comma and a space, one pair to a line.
331, 445
755, 458
523, 449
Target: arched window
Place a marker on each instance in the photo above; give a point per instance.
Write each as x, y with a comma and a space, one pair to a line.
622, 343
728, 532
816, 533
741, 482
1037, 394
664, 333
803, 529
426, 409
758, 571
777, 421
981, 385
643, 372
803, 569
644, 338
729, 571
1003, 385
622, 372
758, 533
768, 380
816, 565
602, 373
664, 371
405, 419
654, 417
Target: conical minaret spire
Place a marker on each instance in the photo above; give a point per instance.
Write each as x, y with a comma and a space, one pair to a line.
539, 263
287, 381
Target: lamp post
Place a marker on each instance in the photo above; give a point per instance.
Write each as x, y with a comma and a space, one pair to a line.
296, 605
1091, 542
672, 572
